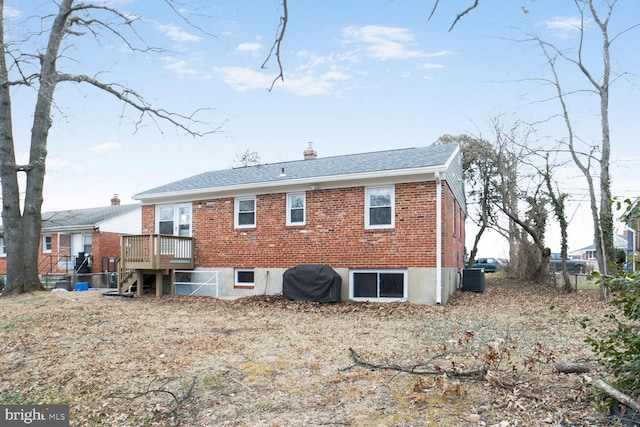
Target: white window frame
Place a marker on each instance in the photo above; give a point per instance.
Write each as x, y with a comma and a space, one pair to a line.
3, 248
87, 240
45, 249
290, 207
237, 281
182, 216
405, 285
236, 213
367, 207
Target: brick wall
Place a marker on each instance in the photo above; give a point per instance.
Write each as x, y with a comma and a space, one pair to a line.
334, 233
102, 245
453, 231
148, 219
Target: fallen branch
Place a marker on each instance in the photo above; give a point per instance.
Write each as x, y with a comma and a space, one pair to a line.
616, 394
416, 369
178, 400
572, 368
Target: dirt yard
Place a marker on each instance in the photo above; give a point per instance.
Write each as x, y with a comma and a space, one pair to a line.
483, 359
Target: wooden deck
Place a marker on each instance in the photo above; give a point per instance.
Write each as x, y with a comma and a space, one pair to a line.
156, 252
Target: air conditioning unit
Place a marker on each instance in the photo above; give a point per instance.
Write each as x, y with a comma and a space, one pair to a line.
473, 279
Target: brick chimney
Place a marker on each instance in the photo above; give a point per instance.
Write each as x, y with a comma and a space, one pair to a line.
115, 200
310, 153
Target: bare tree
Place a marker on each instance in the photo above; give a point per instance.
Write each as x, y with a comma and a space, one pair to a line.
599, 79
39, 70
506, 197
247, 158
557, 200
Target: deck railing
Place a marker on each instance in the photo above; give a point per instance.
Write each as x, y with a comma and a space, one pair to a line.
156, 252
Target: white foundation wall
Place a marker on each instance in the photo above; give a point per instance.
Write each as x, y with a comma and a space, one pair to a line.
268, 281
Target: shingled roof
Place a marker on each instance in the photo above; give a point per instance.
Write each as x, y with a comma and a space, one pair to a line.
88, 218
352, 165
81, 218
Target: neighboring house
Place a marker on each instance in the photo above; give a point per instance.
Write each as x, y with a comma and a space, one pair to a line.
588, 253
632, 230
391, 223
82, 241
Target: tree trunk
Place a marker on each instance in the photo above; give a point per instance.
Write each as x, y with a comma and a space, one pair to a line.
11, 214
606, 216
22, 229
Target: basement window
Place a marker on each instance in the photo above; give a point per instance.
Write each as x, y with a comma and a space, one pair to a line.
244, 279
378, 285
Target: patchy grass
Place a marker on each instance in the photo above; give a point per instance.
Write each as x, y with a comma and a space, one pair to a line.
266, 361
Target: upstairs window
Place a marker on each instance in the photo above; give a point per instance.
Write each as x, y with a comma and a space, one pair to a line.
245, 213
3, 249
174, 220
379, 207
296, 209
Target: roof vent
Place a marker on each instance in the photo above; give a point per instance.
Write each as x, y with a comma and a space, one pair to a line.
282, 173
115, 200
310, 153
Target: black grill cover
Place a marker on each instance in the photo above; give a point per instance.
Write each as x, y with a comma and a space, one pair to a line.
311, 282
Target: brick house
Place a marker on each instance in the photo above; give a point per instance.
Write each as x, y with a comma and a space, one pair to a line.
82, 241
390, 223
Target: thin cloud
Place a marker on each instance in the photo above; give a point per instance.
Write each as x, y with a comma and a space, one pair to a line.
182, 68
326, 74
244, 79
312, 84
252, 48
383, 42
177, 34
438, 54
307, 84
105, 148
9, 12
562, 27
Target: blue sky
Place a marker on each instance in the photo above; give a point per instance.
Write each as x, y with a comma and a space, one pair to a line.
359, 76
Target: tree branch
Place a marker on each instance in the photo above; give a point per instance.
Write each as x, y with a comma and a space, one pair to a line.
178, 401
616, 394
415, 369
460, 15
133, 99
282, 27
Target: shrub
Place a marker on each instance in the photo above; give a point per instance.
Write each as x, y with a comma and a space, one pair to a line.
618, 347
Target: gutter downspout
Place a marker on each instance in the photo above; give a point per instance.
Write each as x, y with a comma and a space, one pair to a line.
438, 239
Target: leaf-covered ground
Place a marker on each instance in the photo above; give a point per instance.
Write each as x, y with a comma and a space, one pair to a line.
484, 359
